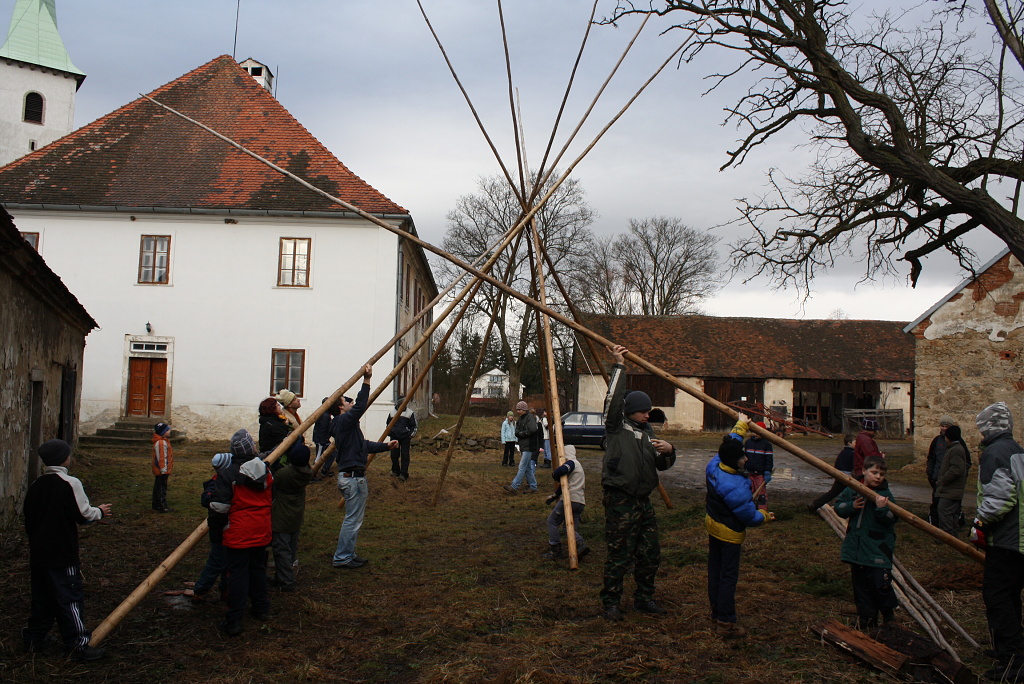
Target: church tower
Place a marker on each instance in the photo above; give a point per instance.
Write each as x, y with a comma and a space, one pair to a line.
38, 82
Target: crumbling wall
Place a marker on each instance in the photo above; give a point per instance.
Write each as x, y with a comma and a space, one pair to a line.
970, 353
36, 343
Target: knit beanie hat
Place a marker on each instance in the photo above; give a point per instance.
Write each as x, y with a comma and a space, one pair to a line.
54, 452
298, 454
953, 433
510, 414
161, 429
220, 460
285, 397
947, 420
242, 444
636, 401
522, 406
730, 452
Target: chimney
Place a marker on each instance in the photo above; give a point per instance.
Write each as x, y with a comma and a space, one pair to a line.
259, 72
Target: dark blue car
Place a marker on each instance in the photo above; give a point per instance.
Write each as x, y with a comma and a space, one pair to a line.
583, 428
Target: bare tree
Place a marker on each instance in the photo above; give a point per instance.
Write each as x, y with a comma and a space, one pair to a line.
1008, 19
476, 223
659, 267
918, 136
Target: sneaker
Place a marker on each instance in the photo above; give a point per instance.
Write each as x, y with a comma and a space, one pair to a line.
86, 654
233, 628
650, 607
350, 565
613, 614
510, 489
730, 630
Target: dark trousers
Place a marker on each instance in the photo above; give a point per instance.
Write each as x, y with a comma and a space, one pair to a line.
509, 457
247, 579
215, 568
631, 532
723, 574
400, 458
830, 495
1001, 589
873, 592
329, 461
160, 492
57, 595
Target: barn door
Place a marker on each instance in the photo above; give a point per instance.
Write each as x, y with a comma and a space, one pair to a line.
147, 387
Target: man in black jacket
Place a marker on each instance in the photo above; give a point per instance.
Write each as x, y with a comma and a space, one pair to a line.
55, 505
402, 432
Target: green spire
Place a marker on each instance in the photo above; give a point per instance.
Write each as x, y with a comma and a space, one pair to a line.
33, 37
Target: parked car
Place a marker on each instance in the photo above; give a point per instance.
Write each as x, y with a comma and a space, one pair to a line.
583, 428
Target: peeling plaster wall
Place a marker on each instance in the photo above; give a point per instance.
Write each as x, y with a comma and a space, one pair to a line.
970, 353
32, 336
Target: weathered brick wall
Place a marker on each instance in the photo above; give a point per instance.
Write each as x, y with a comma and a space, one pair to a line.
970, 353
32, 336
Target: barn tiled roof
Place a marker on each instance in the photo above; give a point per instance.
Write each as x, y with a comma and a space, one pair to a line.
144, 156
719, 347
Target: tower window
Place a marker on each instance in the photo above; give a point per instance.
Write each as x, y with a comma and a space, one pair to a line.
257, 71
33, 108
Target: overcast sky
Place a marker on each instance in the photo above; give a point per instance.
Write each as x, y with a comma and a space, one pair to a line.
366, 78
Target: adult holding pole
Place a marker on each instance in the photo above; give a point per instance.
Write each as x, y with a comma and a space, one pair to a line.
353, 451
632, 460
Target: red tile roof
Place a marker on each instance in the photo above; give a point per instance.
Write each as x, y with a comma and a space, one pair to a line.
715, 347
143, 156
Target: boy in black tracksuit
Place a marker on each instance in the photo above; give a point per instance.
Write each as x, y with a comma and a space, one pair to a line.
55, 505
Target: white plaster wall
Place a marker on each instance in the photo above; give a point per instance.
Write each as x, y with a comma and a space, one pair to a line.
224, 310
896, 395
58, 91
779, 390
688, 413
592, 390
964, 314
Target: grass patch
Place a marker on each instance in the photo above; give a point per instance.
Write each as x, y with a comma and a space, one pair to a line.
453, 593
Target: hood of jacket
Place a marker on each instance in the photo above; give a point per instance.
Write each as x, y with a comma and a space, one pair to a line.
994, 420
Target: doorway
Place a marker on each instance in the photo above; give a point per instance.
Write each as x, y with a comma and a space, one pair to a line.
147, 387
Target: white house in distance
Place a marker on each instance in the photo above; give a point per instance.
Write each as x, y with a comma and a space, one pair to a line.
492, 387
216, 280
38, 82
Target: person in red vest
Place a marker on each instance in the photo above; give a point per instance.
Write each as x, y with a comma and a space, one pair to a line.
163, 461
245, 495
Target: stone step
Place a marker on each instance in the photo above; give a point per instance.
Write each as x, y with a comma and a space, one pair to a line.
142, 443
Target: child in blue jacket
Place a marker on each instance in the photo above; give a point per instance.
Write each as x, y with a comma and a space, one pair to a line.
730, 510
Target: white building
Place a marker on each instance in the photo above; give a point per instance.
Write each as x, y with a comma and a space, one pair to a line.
216, 280
492, 386
38, 82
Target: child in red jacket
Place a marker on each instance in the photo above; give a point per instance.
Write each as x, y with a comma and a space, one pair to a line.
163, 461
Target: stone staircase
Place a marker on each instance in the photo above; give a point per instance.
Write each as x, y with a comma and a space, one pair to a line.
128, 432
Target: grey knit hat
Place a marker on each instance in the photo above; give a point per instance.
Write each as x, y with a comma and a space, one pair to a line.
220, 460
636, 401
242, 444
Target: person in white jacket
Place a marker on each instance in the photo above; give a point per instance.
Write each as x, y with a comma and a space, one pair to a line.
573, 470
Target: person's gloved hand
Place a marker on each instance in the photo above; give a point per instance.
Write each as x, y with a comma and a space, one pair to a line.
767, 476
768, 516
977, 537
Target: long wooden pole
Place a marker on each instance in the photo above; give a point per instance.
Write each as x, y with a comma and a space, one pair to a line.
808, 458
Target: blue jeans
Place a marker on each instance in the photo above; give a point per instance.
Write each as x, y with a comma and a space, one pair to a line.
216, 565
526, 468
547, 451
355, 490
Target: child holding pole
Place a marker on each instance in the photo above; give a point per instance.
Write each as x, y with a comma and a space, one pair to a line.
216, 561
577, 495
730, 510
287, 513
869, 545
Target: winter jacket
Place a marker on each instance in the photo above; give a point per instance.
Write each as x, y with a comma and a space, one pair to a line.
862, 448
244, 493
55, 505
528, 433
508, 431
574, 471
935, 452
844, 460
1000, 487
631, 463
273, 430
951, 478
870, 535
290, 498
405, 427
353, 449
214, 520
322, 429
760, 455
163, 455
728, 506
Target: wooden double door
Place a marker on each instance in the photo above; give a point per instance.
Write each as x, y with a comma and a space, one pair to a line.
147, 387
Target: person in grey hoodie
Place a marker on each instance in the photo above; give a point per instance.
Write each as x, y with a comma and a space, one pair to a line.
997, 529
573, 470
